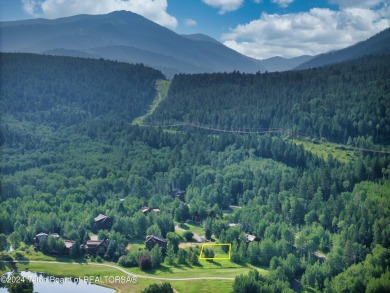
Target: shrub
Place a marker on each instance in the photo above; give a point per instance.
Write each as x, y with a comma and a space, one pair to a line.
158, 288
208, 253
145, 262
182, 256
129, 260
188, 235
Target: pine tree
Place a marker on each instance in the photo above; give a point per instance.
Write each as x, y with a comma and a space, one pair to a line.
181, 256
156, 256
171, 254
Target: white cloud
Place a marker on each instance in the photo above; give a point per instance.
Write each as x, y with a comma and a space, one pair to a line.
224, 5
154, 10
283, 3
317, 31
190, 22
357, 3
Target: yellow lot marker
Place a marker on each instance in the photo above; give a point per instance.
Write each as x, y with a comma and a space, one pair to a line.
215, 258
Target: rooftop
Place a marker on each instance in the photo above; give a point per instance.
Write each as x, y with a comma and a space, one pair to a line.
100, 217
150, 237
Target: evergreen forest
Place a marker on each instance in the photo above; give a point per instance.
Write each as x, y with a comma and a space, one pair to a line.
239, 146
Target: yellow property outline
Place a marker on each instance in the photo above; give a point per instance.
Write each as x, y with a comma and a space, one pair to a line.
215, 258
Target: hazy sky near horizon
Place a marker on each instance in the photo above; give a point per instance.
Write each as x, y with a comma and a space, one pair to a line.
257, 28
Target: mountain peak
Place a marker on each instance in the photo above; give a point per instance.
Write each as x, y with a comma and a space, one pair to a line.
124, 36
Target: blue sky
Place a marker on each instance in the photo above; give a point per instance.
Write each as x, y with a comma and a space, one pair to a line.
257, 28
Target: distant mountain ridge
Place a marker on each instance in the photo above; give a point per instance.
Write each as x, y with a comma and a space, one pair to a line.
283, 64
129, 37
377, 44
123, 36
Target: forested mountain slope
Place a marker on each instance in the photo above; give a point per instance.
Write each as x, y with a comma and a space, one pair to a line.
46, 87
340, 102
70, 153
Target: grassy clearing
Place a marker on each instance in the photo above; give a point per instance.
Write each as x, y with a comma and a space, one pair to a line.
203, 286
28, 253
225, 269
323, 150
136, 244
89, 270
219, 268
217, 249
190, 244
75, 270
80, 268
193, 227
162, 87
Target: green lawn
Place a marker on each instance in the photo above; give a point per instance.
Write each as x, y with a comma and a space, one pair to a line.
136, 244
80, 268
203, 286
193, 227
205, 269
89, 270
217, 249
219, 268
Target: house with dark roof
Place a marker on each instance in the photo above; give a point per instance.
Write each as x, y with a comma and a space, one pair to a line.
39, 237
96, 247
152, 240
103, 222
43, 236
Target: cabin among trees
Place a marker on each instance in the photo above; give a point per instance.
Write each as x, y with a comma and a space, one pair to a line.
103, 222
96, 247
54, 244
68, 245
152, 240
39, 238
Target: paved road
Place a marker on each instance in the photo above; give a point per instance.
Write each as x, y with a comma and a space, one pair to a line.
126, 272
